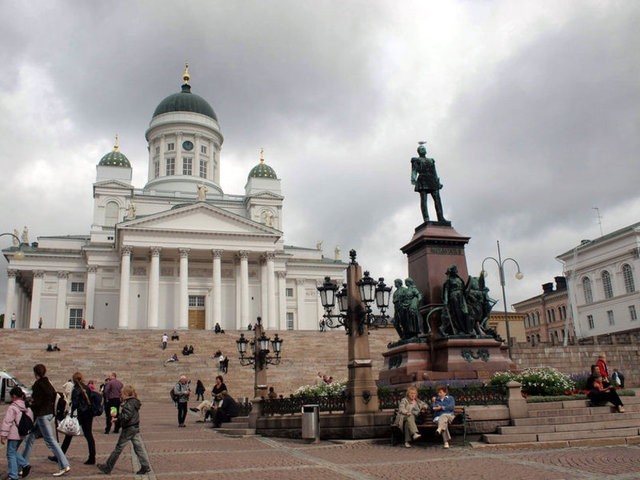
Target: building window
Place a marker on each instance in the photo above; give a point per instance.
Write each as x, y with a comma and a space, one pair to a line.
171, 147
586, 286
171, 166
289, 292
606, 285
156, 168
77, 287
537, 318
591, 323
187, 166
632, 312
75, 318
289, 321
203, 149
564, 311
203, 169
629, 284
196, 300
610, 317
111, 214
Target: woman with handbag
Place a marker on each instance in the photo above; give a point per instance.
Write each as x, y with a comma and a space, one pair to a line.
409, 409
81, 406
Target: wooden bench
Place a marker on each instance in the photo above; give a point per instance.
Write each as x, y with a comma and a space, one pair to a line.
459, 424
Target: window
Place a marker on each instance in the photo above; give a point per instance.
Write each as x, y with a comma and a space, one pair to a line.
111, 214
203, 169
75, 318
203, 149
289, 292
586, 286
156, 168
196, 300
289, 321
537, 318
632, 312
553, 315
629, 284
591, 323
606, 285
610, 317
187, 166
171, 166
77, 287
171, 147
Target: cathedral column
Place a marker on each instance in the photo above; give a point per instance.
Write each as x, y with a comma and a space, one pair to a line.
282, 300
154, 287
299, 303
11, 299
216, 282
61, 303
264, 309
244, 288
183, 315
36, 293
125, 277
271, 291
90, 297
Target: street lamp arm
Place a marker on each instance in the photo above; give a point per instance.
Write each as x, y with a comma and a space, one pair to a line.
11, 235
490, 258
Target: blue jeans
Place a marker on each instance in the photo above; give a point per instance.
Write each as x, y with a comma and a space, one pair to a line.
43, 425
15, 460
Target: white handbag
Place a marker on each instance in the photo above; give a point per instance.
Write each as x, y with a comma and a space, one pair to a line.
70, 426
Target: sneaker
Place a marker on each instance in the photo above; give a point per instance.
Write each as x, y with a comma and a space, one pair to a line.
25, 471
104, 468
62, 472
620, 409
407, 444
416, 436
143, 471
446, 444
194, 409
52, 458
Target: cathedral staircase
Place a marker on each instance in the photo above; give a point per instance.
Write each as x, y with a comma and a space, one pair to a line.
572, 423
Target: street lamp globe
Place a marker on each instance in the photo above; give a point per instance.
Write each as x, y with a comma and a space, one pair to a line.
328, 293
383, 294
367, 287
241, 345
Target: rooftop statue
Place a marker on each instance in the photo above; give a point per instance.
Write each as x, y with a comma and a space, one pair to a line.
426, 181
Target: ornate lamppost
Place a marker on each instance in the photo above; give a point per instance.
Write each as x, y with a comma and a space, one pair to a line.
256, 353
19, 255
519, 275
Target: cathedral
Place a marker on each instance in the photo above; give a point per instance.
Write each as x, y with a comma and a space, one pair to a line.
178, 253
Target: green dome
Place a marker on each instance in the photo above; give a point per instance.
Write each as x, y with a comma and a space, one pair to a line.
185, 101
114, 159
262, 170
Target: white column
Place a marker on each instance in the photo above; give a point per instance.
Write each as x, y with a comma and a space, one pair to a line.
36, 293
90, 296
125, 276
299, 304
244, 288
271, 291
216, 282
183, 321
11, 299
238, 290
264, 309
154, 287
61, 303
282, 300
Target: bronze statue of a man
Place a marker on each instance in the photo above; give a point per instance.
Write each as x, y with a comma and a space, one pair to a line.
426, 181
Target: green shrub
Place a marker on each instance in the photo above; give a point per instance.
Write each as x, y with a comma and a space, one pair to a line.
323, 390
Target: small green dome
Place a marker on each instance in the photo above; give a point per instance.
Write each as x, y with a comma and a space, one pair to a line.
185, 101
262, 170
115, 158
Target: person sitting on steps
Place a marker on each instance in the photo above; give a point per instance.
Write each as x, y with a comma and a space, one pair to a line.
599, 394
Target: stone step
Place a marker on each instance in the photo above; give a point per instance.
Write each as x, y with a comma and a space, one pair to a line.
235, 432
589, 415
618, 421
560, 436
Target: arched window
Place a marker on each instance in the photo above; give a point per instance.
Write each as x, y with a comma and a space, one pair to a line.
606, 284
586, 286
629, 284
111, 214
537, 318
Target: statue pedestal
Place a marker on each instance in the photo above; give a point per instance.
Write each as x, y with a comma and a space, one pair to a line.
433, 248
444, 359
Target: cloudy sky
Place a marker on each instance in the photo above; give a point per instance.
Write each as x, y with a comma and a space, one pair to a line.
531, 110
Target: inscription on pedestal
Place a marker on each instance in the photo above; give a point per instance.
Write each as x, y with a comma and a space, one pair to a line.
481, 354
446, 251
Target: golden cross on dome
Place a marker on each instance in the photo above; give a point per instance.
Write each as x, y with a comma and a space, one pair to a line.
262, 155
115, 146
186, 77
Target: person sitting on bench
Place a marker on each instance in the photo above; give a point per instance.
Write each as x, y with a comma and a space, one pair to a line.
443, 415
409, 409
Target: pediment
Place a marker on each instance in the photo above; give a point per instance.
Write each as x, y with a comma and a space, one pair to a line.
112, 184
266, 194
199, 218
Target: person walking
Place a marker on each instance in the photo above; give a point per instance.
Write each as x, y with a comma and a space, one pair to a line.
129, 419
112, 393
81, 404
165, 339
182, 390
10, 435
43, 398
200, 390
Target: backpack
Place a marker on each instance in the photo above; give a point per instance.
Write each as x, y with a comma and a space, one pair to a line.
174, 395
25, 425
97, 407
60, 407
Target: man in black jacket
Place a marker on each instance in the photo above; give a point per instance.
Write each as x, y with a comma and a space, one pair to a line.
226, 411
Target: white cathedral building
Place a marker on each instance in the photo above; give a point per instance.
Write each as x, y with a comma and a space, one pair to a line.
178, 253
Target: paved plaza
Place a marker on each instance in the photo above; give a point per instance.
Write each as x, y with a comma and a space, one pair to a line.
199, 452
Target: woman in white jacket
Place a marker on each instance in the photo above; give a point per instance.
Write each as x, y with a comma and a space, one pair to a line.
9, 434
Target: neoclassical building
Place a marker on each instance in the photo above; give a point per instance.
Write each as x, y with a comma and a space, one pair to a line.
179, 252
